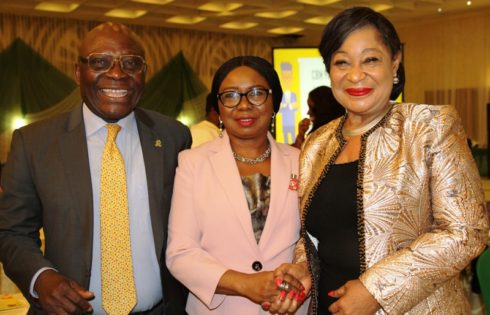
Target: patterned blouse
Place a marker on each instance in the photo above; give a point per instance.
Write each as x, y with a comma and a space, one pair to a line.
257, 192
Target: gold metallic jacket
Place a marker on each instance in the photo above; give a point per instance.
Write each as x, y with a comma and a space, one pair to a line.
421, 208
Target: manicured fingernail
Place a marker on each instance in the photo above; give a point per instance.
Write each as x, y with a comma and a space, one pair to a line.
282, 295
266, 306
278, 282
291, 294
301, 296
331, 293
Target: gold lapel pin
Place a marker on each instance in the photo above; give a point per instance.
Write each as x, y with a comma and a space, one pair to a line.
158, 143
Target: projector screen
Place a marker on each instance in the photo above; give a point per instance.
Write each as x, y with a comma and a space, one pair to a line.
300, 70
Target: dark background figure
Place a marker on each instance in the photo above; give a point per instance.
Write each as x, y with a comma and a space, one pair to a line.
322, 108
52, 176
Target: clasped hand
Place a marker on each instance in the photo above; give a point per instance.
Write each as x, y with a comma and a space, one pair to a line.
292, 284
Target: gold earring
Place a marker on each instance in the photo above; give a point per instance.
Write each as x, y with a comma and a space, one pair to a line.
220, 127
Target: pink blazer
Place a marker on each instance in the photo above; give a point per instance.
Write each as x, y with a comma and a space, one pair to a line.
210, 229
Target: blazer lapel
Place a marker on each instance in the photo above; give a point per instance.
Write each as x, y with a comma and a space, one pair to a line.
229, 179
74, 160
281, 171
153, 154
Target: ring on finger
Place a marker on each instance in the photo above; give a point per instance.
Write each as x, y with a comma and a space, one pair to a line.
284, 286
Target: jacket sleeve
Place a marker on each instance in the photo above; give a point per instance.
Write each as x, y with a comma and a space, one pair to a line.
20, 218
188, 262
458, 231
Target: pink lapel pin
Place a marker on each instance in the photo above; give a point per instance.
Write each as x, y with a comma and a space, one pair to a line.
293, 182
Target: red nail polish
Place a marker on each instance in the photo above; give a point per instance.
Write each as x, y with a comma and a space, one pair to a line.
282, 295
291, 294
301, 296
266, 306
331, 293
278, 282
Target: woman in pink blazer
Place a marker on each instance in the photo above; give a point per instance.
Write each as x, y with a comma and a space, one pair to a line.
234, 217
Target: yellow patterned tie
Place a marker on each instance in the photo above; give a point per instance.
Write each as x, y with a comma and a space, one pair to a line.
118, 290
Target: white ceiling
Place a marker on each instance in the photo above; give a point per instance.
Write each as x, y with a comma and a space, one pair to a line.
398, 11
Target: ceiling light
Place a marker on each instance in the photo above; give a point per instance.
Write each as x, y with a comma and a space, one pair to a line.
318, 2
379, 7
185, 19
468, 3
439, 10
276, 15
238, 25
320, 20
220, 6
160, 2
285, 30
125, 14
56, 7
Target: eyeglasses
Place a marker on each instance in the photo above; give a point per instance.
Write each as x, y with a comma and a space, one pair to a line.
256, 97
102, 62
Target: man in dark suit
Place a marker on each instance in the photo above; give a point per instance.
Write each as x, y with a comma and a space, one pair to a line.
52, 181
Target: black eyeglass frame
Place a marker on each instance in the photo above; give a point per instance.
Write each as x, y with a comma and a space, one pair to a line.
268, 92
86, 60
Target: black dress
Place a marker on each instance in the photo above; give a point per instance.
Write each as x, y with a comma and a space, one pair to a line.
332, 219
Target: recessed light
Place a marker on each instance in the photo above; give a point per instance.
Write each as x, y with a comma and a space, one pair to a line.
276, 15
285, 30
185, 19
159, 2
238, 25
56, 7
320, 20
220, 6
468, 3
318, 2
125, 14
439, 10
379, 7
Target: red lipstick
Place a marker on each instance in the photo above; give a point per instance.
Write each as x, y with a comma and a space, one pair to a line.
358, 91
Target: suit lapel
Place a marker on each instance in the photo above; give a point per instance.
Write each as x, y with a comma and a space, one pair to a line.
280, 175
74, 160
153, 148
228, 177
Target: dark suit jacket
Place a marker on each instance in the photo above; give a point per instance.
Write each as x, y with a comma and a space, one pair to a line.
47, 183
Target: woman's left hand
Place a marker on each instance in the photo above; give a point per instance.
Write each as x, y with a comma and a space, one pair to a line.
289, 302
353, 298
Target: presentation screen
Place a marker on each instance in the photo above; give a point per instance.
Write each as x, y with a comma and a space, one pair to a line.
300, 70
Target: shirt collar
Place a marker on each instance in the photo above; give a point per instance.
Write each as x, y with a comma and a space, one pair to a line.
94, 123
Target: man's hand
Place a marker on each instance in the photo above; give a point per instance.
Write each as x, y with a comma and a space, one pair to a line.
60, 295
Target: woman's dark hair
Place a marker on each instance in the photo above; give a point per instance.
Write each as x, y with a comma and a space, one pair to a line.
325, 107
353, 19
262, 66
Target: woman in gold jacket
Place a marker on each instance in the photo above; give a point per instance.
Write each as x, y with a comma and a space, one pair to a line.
391, 199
